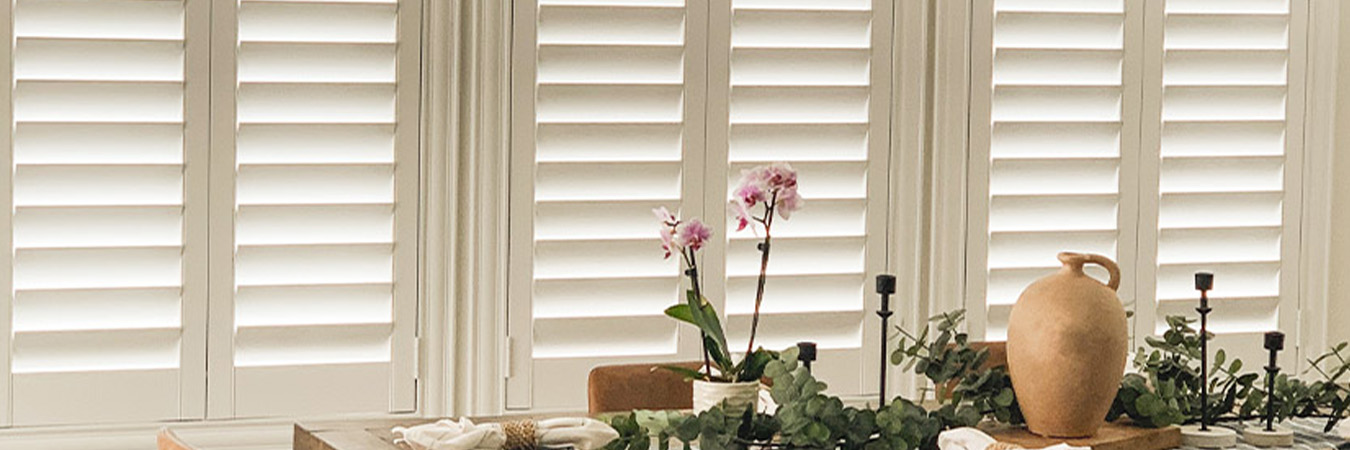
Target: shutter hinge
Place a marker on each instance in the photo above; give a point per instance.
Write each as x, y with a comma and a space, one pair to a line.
508, 357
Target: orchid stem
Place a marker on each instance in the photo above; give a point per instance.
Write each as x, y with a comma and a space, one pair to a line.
763, 269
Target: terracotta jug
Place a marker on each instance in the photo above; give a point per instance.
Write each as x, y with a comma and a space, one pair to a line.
1067, 345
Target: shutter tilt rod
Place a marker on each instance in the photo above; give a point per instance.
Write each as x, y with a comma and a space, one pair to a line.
885, 287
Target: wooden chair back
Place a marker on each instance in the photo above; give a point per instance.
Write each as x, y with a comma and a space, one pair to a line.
167, 440
637, 386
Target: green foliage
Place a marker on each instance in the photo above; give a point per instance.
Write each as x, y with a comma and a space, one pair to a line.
632, 436
809, 419
698, 312
971, 392
1166, 391
805, 419
661, 425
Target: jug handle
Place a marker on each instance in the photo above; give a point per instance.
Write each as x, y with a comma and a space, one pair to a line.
1077, 260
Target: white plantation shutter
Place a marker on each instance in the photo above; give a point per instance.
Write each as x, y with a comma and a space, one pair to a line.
318, 103
610, 100
806, 82
1184, 148
1054, 135
1222, 162
608, 126
108, 230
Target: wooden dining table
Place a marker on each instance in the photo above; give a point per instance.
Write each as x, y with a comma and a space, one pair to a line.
376, 434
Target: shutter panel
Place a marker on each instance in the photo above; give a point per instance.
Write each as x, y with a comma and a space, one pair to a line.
806, 82
1053, 140
607, 127
1226, 135
324, 132
108, 235
610, 124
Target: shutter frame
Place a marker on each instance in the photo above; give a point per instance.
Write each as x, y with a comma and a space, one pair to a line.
1167, 289
704, 181
986, 233
380, 166
741, 103
1179, 172
637, 244
139, 204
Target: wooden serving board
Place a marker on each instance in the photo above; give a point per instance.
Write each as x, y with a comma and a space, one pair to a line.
1112, 436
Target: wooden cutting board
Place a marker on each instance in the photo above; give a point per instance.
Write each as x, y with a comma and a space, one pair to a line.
1112, 436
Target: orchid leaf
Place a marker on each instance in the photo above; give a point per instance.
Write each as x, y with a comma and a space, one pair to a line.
705, 317
681, 312
689, 374
718, 356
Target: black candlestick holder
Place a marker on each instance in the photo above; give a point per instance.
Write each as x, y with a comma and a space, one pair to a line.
1270, 435
885, 287
1204, 281
806, 353
1203, 436
1274, 343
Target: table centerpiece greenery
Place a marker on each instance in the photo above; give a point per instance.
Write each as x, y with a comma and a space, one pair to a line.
1163, 393
1166, 391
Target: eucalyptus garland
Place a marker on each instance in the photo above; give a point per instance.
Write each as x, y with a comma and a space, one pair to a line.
1164, 392
806, 418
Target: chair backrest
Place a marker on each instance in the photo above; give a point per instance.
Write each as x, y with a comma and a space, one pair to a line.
167, 440
637, 386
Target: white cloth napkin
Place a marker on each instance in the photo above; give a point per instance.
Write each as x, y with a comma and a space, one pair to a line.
578, 432
973, 439
964, 439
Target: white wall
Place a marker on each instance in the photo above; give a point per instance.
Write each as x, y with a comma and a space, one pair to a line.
1338, 301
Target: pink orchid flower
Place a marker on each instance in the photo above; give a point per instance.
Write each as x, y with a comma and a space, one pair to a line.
662, 214
677, 235
776, 181
741, 212
692, 234
667, 231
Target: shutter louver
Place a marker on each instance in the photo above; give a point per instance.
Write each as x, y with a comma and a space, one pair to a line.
608, 132
803, 88
105, 324
1229, 129
1050, 157
325, 195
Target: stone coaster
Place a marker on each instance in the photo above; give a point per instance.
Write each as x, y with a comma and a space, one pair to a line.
1260, 437
1214, 437
1308, 435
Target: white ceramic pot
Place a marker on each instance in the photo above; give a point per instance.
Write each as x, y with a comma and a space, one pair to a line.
737, 395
